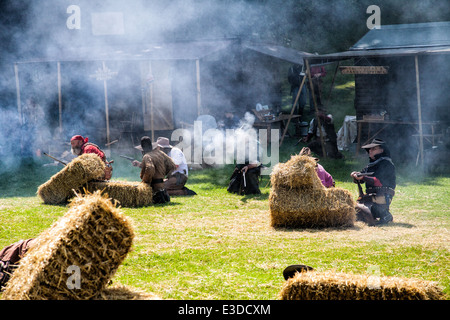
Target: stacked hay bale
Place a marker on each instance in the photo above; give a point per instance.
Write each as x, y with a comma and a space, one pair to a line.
313, 285
127, 194
77, 256
299, 200
61, 186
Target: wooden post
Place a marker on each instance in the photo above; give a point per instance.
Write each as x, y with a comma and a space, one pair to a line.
150, 86
332, 82
308, 71
105, 88
59, 96
292, 110
19, 104
199, 96
419, 109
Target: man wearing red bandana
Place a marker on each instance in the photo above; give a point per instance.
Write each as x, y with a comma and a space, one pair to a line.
80, 145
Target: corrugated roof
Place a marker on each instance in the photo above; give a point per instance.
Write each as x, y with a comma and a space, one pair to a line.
280, 52
414, 35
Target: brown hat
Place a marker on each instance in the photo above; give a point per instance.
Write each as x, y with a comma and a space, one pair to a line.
374, 143
162, 142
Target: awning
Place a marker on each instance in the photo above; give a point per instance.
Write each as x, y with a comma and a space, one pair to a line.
280, 52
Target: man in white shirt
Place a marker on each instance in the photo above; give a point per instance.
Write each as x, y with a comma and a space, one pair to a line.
175, 184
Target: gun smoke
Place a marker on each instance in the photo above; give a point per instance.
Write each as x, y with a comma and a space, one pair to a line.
36, 30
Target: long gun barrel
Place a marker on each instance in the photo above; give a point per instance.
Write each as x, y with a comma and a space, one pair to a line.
365, 174
126, 157
55, 159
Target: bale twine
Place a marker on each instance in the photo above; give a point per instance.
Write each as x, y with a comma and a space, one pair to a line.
127, 194
313, 285
87, 244
299, 200
60, 187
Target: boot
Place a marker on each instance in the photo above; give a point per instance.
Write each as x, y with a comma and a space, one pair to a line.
386, 218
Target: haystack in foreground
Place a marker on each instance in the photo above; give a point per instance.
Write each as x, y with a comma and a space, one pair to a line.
119, 292
60, 187
299, 200
127, 194
77, 256
313, 285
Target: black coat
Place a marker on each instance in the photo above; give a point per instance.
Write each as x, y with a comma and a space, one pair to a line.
383, 169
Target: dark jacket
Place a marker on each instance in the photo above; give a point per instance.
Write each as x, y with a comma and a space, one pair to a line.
383, 173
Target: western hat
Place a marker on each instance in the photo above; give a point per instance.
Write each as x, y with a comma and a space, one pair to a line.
374, 143
291, 270
162, 142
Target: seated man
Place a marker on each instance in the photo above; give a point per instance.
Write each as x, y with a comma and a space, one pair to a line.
328, 134
155, 166
10, 257
80, 145
176, 181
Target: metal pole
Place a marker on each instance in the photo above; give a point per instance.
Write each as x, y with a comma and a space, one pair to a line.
419, 109
19, 104
59, 95
105, 88
199, 96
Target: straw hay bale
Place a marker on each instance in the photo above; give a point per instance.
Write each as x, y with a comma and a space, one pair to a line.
120, 292
128, 194
93, 236
60, 187
297, 172
309, 208
313, 285
299, 200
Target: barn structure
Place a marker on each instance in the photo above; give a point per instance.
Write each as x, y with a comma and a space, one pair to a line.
401, 74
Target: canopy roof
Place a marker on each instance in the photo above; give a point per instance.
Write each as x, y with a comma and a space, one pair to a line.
416, 35
180, 50
399, 40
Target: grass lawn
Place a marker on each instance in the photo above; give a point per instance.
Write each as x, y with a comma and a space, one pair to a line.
218, 245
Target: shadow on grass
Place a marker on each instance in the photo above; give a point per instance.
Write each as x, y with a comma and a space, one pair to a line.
262, 196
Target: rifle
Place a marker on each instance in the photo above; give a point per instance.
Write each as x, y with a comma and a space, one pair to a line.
55, 159
126, 157
361, 192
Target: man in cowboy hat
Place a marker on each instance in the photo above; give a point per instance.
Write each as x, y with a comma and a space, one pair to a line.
80, 145
379, 177
155, 166
176, 181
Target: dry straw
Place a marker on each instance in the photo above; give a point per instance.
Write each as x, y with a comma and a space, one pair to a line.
299, 200
127, 194
91, 240
120, 292
60, 188
313, 285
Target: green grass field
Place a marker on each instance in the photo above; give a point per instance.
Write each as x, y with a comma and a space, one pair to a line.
218, 245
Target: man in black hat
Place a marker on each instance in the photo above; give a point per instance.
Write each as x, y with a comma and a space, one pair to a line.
379, 177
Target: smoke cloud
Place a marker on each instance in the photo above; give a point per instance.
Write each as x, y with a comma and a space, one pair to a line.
39, 29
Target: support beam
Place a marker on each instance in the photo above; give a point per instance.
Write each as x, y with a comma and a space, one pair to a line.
419, 110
